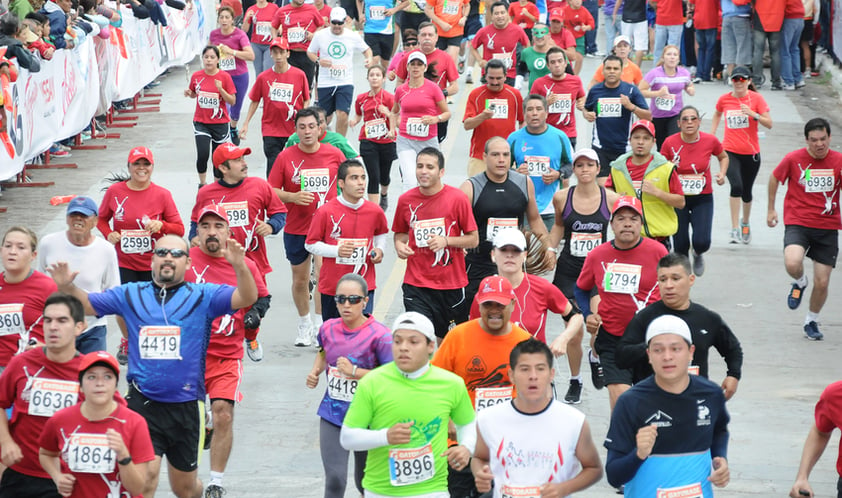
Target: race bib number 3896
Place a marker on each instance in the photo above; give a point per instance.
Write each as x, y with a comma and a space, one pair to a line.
410, 466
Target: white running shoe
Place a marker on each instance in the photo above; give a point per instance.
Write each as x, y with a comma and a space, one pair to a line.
305, 335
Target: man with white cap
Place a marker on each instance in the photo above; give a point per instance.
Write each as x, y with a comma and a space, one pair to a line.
669, 433
334, 49
93, 257
405, 433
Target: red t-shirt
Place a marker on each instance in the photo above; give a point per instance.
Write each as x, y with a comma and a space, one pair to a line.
562, 113
210, 108
23, 305
501, 44
415, 103
283, 94
794, 9
234, 4
741, 130
812, 194
516, 13
375, 126
325, 12
508, 114
318, 170
564, 38
295, 21
228, 331
669, 13
250, 201
534, 297
335, 222
579, 17
828, 414
37, 388
446, 213
692, 159
438, 59
261, 22
708, 14
449, 11
124, 209
632, 285
62, 429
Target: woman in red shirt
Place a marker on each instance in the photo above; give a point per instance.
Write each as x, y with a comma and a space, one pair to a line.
260, 16
212, 88
525, 14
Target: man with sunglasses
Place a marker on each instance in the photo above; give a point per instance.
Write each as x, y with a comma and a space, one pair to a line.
224, 363
350, 233
168, 326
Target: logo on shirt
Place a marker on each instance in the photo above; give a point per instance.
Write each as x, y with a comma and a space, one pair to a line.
540, 63
336, 50
660, 419
703, 331
704, 414
336, 232
476, 366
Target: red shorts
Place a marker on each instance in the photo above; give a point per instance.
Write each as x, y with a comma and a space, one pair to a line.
223, 377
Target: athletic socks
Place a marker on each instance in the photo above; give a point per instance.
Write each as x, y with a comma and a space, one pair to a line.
811, 317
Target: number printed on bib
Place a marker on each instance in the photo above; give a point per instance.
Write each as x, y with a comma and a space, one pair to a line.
227, 64
489, 396
622, 278
499, 107
411, 466
818, 180
689, 491
665, 102
416, 128
609, 108
451, 7
296, 34
377, 13
49, 396
376, 128
508, 491
280, 92
504, 57
338, 71
562, 105
692, 184
736, 120
208, 100
426, 228
693, 369
135, 241
537, 165
238, 213
11, 319
90, 454
160, 343
496, 224
263, 28
358, 256
581, 243
340, 387
315, 180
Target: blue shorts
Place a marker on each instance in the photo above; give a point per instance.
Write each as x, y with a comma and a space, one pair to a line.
472, 25
336, 98
294, 248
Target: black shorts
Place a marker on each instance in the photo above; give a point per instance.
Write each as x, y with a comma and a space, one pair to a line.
17, 485
411, 20
605, 346
445, 308
294, 248
350, 7
808, 32
472, 25
822, 245
565, 279
177, 429
606, 157
380, 44
443, 42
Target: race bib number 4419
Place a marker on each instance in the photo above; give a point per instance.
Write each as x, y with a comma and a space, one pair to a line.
160, 343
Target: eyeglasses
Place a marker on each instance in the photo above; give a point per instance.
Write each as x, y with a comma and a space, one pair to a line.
337, 23
162, 252
690, 118
341, 298
410, 44
739, 78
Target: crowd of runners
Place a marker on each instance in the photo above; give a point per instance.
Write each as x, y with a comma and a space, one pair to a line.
457, 397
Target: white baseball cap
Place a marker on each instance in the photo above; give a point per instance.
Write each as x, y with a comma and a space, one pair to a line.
412, 320
416, 56
338, 14
589, 153
510, 237
668, 324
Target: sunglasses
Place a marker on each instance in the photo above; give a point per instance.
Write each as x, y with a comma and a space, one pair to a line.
341, 298
690, 118
337, 23
410, 44
739, 78
162, 252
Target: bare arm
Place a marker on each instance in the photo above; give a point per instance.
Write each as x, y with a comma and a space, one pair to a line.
64, 280
771, 212
717, 116
813, 448
246, 292
588, 457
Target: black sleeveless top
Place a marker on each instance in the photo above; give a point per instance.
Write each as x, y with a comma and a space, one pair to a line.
496, 200
590, 230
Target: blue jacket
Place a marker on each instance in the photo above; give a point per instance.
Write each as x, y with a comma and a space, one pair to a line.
58, 23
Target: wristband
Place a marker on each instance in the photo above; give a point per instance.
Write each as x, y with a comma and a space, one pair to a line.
125, 461
354, 372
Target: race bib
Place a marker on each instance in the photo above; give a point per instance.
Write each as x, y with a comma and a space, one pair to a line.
280, 92
228, 64
622, 278
537, 165
377, 13
582, 243
340, 387
638, 187
411, 466
736, 120
160, 342
90, 454
49, 396
496, 224
665, 102
505, 57
451, 7
338, 71
609, 108
263, 29
818, 180
135, 241
358, 256
693, 369
562, 105
296, 34
499, 108
416, 128
11, 319
689, 491
208, 100
315, 180
426, 228
692, 184
238, 213
520, 491
489, 396
376, 128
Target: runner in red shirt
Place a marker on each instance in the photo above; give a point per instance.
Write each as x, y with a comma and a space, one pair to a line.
99, 426
297, 21
433, 225
564, 38
811, 216
493, 110
283, 89
259, 17
563, 92
304, 177
524, 14
579, 21
37, 384
500, 40
349, 232
624, 271
449, 17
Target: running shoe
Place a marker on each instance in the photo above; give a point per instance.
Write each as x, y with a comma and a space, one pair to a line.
735, 236
305, 335
796, 292
800, 84
574, 393
235, 136
384, 202
597, 376
214, 491
811, 330
697, 80
123, 352
469, 80
254, 349
745, 232
788, 87
698, 265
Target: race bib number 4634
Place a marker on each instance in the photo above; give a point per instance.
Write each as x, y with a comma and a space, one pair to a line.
411, 466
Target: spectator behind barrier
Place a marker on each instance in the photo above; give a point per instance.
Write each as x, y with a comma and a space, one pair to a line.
10, 29
56, 12
40, 25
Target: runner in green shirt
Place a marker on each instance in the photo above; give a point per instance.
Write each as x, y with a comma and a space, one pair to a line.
328, 137
534, 57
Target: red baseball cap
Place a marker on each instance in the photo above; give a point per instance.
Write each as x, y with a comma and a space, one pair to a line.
228, 151
98, 358
279, 42
645, 124
627, 201
140, 153
557, 15
497, 289
214, 209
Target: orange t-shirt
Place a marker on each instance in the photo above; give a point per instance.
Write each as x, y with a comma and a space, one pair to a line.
449, 11
631, 74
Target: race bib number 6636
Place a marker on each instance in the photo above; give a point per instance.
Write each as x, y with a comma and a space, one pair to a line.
49, 396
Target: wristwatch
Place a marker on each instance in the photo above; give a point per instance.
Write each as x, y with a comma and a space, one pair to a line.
125, 461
